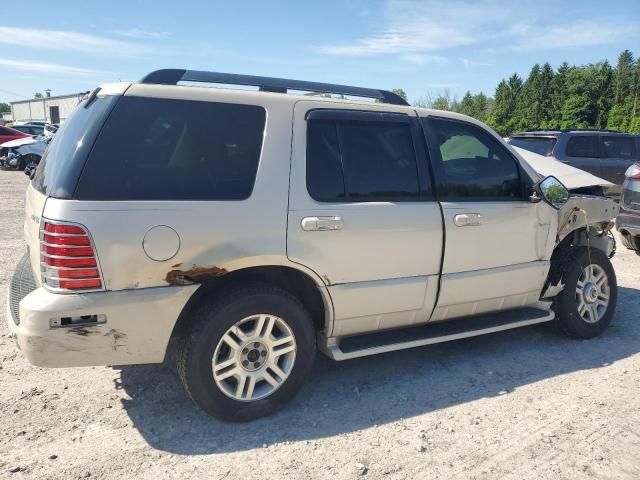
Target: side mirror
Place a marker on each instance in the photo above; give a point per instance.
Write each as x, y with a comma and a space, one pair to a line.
552, 191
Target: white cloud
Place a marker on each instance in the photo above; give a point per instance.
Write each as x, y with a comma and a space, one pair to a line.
580, 34
141, 34
67, 40
415, 28
403, 39
44, 67
423, 59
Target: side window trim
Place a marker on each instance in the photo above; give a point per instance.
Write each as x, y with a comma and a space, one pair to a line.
346, 115
437, 163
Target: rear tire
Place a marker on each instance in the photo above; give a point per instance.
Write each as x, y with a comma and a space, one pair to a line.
585, 307
630, 241
247, 354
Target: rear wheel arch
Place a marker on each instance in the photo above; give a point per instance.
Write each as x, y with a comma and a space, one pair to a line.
298, 283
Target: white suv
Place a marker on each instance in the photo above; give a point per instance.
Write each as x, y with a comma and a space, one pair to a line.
248, 228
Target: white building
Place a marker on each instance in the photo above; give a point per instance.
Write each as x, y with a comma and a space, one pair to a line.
47, 109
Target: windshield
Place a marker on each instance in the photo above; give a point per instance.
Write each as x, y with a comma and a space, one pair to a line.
58, 172
540, 145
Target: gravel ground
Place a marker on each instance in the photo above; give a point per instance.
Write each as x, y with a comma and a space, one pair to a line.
521, 404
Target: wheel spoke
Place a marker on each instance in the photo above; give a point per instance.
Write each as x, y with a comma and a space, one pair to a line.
232, 372
251, 385
223, 365
594, 312
242, 381
267, 327
582, 307
271, 378
284, 346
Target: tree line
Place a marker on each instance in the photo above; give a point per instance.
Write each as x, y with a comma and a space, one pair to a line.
596, 95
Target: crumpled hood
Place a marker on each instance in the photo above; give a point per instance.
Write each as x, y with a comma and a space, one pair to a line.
571, 177
18, 142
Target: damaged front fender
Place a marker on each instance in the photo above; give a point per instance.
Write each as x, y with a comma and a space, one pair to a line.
586, 211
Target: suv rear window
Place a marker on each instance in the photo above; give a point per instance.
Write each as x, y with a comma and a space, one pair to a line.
163, 149
62, 162
540, 145
583, 146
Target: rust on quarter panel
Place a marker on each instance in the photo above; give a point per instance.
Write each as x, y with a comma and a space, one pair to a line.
184, 277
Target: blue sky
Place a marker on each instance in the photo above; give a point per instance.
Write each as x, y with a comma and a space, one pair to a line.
420, 46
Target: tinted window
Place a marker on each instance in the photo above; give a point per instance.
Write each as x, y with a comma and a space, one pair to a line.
540, 145
620, 147
60, 167
4, 132
471, 165
583, 146
361, 161
159, 149
325, 179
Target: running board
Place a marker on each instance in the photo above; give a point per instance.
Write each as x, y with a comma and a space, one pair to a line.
438, 332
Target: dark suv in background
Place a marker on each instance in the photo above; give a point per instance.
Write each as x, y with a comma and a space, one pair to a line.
604, 153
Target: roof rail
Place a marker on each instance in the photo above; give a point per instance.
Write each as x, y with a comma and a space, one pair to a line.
590, 130
172, 76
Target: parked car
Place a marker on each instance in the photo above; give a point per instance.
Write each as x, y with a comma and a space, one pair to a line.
51, 128
25, 154
7, 134
29, 129
628, 222
354, 227
604, 153
31, 122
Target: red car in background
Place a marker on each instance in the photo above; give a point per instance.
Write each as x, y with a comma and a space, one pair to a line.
7, 134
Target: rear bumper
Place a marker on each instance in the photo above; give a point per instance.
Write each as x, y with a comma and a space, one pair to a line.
137, 326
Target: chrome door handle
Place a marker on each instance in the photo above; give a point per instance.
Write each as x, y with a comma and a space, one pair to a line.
321, 224
467, 219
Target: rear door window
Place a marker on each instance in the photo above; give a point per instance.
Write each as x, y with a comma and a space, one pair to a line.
583, 146
540, 145
619, 147
361, 161
163, 149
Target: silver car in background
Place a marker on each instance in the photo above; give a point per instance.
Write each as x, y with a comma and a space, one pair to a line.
628, 221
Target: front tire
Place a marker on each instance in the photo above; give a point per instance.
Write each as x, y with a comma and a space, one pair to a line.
246, 355
585, 307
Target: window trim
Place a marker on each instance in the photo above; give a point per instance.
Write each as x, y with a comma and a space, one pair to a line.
420, 151
437, 163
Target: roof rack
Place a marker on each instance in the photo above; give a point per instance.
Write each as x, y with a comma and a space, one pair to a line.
566, 130
590, 130
172, 76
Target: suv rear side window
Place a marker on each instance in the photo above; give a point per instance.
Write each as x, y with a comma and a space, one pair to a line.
583, 146
471, 165
620, 147
540, 145
361, 161
161, 149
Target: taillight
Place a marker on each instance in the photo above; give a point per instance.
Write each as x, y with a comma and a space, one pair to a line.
68, 258
633, 172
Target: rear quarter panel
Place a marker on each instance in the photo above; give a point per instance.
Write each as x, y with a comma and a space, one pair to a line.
213, 235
